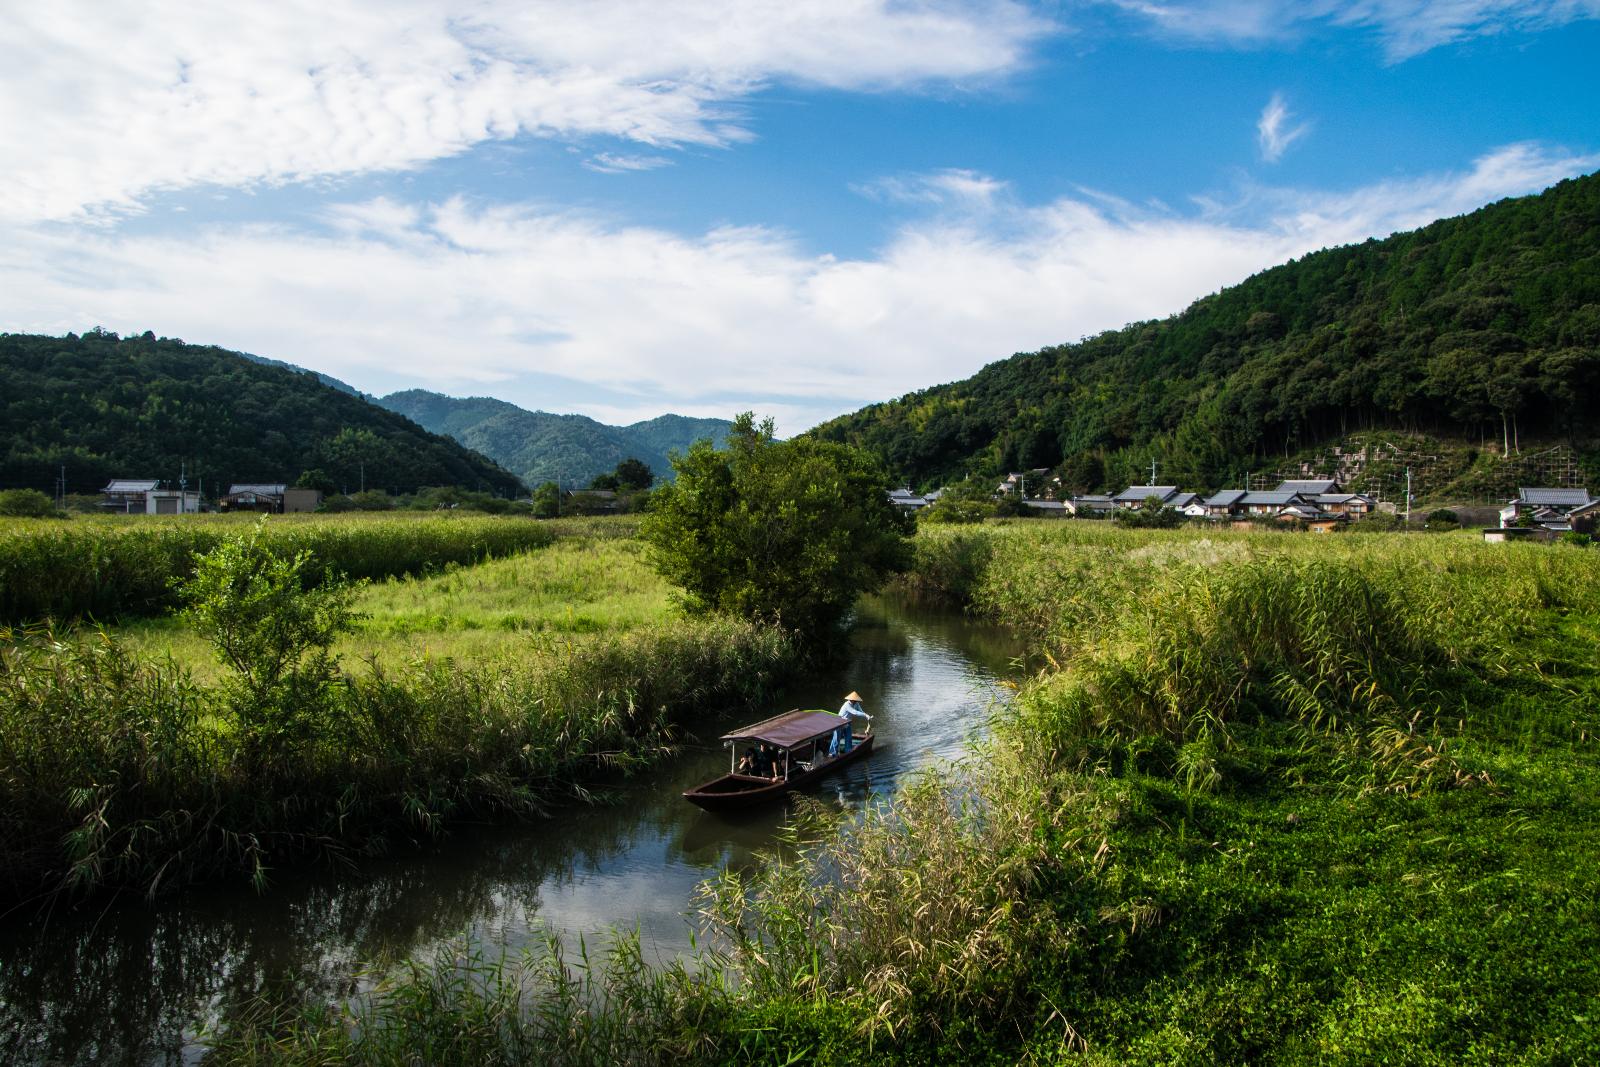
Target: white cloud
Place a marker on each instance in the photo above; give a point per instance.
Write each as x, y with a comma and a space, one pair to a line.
1275, 131
1406, 27
102, 104
611, 163
474, 299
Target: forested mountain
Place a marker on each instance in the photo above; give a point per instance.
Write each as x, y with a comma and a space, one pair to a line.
1484, 327
542, 447
141, 407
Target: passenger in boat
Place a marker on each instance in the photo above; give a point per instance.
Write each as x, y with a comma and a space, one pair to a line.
747, 763
843, 737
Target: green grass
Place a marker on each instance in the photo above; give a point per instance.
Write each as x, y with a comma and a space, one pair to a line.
579, 585
1273, 799
108, 567
493, 690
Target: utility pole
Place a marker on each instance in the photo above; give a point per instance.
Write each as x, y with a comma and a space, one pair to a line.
1152, 471
1408, 497
61, 498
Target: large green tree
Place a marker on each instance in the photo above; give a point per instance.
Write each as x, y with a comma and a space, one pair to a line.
787, 531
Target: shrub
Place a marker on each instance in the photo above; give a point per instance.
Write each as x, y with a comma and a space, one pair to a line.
26, 504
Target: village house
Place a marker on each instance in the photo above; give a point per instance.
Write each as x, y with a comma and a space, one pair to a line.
1225, 504
1049, 509
1271, 504
1309, 487
128, 495
1090, 506
1550, 508
906, 500
273, 498
1135, 495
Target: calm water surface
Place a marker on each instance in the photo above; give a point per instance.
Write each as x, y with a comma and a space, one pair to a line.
130, 982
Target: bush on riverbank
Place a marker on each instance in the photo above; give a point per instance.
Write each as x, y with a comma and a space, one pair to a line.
107, 567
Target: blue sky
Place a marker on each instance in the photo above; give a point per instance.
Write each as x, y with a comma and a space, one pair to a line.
621, 208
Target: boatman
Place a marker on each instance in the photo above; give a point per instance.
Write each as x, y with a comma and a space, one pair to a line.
844, 736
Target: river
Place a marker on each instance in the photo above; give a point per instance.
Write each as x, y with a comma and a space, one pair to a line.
126, 981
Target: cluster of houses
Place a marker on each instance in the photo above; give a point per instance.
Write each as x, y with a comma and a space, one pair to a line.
1317, 504
145, 496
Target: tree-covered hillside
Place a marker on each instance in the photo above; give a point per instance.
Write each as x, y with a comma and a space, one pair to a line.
1484, 327
542, 447
141, 407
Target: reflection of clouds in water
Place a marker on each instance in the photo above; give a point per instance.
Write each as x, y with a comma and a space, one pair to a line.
128, 984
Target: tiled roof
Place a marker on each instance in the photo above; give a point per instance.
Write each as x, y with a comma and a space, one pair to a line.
1566, 498
1308, 485
258, 488
1277, 499
1226, 498
130, 485
1140, 493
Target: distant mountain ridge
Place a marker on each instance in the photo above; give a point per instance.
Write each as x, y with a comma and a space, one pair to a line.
103, 406
1482, 329
542, 447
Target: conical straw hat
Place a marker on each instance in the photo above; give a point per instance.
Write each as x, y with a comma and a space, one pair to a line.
853, 695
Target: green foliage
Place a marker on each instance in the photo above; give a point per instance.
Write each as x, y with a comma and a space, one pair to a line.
254, 607
1151, 515
116, 771
783, 531
109, 407
1442, 519
968, 501
633, 474
1481, 327
547, 501
26, 504
115, 566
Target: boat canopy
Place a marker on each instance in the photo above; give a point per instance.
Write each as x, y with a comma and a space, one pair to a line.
789, 729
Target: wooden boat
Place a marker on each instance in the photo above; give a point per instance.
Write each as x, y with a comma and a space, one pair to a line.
800, 740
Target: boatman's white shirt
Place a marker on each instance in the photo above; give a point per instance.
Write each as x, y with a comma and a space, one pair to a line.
851, 710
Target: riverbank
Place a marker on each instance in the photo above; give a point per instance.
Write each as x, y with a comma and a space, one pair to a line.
1274, 799
484, 691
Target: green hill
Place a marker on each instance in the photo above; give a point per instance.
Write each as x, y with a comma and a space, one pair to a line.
1483, 329
542, 447
140, 407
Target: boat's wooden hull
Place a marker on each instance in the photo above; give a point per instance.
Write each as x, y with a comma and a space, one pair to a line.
730, 792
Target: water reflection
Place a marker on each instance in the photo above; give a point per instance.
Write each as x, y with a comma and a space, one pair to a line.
131, 982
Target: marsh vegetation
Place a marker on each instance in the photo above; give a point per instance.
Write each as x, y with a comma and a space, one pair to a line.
1271, 799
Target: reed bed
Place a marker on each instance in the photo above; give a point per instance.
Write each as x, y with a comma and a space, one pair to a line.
120, 772
106, 567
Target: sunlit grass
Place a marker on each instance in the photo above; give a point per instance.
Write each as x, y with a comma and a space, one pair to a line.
576, 587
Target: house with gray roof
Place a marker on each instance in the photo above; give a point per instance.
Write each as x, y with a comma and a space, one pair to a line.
1225, 504
1550, 508
1263, 503
274, 498
1309, 486
1090, 506
129, 496
1135, 495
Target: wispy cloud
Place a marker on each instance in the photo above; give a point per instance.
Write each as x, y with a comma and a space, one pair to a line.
471, 298
101, 105
1405, 27
611, 163
1276, 129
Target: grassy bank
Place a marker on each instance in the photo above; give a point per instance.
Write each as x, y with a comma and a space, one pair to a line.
1275, 799
111, 566
489, 690
580, 585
